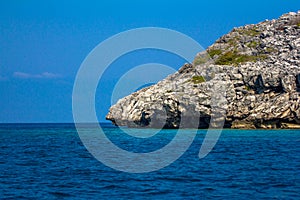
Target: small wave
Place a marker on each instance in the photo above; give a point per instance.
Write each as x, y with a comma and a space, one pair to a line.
60, 194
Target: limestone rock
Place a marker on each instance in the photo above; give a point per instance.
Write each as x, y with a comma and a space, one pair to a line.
258, 67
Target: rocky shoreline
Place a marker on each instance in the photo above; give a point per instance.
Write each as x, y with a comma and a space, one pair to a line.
257, 65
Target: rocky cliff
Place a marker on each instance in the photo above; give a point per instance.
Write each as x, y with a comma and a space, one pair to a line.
259, 67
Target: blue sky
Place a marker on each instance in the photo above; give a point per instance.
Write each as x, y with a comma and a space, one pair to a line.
43, 43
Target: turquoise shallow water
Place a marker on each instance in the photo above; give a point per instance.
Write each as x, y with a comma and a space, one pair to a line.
49, 161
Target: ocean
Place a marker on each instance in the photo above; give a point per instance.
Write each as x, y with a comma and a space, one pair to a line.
49, 161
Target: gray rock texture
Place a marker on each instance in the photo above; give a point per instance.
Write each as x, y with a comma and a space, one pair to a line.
256, 68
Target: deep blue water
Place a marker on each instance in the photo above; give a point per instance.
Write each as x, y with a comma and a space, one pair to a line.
49, 161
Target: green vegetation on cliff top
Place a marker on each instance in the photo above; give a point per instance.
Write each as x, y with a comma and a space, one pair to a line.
198, 79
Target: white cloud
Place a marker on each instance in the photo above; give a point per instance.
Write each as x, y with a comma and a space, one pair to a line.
44, 75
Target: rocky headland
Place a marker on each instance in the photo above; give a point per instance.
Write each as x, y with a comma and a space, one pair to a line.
259, 67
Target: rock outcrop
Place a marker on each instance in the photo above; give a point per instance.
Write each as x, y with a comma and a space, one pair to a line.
259, 67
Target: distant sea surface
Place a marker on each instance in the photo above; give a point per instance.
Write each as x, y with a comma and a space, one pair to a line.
49, 161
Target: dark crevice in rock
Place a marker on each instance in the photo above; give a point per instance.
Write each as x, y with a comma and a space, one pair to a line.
259, 85
298, 82
145, 120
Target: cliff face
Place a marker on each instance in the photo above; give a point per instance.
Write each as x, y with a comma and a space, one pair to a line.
259, 67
